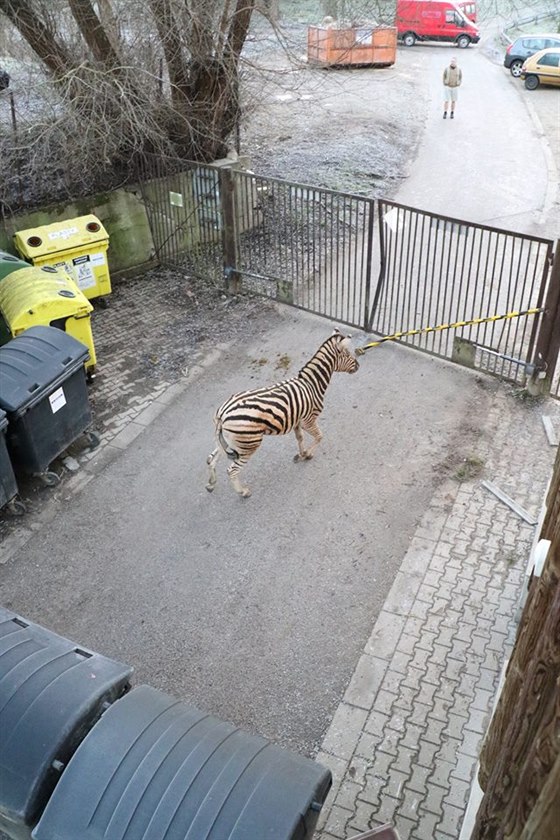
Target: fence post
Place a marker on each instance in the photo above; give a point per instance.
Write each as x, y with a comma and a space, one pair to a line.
232, 277
548, 341
369, 257
382, 265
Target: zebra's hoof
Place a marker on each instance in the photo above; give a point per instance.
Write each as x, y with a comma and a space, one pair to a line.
210, 488
245, 493
297, 458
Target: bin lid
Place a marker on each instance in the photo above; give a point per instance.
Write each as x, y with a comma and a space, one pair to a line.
51, 693
40, 295
69, 235
9, 263
38, 359
153, 761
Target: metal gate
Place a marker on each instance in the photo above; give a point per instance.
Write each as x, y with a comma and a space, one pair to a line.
379, 266
438, 270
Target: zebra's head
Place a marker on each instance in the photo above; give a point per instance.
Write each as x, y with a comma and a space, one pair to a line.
345, 361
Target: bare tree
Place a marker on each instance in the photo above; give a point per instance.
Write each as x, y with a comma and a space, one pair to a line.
131, 77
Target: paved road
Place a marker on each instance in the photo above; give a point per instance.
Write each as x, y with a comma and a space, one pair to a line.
255, 610
258, 611
488, 165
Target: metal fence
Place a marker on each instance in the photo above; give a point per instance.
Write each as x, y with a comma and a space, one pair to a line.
185, 211
306, 246
322, 251
438, 270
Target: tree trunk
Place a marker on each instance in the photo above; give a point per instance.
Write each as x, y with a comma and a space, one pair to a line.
41, 40
93, 33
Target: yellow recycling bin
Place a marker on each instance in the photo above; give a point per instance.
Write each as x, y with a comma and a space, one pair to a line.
77, 245
46, 296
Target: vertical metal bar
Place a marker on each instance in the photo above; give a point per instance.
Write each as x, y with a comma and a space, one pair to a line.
227, 195
548, 341
546, 259
422, 272
369, 316
433, 310
380, 285
412, 291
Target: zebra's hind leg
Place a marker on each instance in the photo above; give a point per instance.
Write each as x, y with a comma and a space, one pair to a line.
301, 456
233, 472
211, 461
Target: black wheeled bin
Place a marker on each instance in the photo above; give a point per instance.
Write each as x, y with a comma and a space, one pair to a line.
156, 767
43, 391
51, 694
8, 483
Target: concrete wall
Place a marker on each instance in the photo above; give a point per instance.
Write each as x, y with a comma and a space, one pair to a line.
123, 214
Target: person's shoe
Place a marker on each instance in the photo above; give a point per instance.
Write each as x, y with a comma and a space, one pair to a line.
452, 115
445, 115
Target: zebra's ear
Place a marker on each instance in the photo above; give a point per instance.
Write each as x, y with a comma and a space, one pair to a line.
336, 331
346, 342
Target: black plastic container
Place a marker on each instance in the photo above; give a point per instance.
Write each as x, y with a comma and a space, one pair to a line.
51, 694
8, 483
154, 766
43, 390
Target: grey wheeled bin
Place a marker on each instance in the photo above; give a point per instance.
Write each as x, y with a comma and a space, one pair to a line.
8, 483
52, 693
156, 767
43, 391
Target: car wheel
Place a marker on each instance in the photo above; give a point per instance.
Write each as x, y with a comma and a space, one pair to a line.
515, 68
463, 41
409, 39
532, 82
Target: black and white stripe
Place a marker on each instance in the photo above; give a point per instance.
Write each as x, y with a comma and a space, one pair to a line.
293, 405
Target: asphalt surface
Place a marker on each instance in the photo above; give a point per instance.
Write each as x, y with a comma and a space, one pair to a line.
257, 609
488, 164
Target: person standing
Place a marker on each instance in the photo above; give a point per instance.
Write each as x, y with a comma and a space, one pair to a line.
452, 78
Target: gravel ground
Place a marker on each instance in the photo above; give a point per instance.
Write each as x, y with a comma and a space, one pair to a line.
350, 129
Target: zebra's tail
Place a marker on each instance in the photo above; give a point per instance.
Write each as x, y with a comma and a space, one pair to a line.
230, 452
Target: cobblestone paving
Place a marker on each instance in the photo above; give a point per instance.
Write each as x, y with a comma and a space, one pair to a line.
155, 331
404, 742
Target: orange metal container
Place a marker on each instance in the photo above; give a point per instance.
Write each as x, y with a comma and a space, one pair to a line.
330, 47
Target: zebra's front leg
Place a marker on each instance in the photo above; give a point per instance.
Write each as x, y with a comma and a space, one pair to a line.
301, 456
233, 472
211, 461
310, 425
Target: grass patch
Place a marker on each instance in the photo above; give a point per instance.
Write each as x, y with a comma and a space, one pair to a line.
470, 468
523, 396
259, 363
283, 362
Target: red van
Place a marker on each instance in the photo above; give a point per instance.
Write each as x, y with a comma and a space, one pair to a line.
468, 8
434, 20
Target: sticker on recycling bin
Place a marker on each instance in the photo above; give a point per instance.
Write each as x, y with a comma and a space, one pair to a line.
97, 259
57, 400
83, 272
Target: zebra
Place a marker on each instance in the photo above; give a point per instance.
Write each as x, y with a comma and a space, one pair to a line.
245, 418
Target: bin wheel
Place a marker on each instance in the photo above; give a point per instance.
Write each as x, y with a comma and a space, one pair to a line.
16, 507
49, 478
93, 439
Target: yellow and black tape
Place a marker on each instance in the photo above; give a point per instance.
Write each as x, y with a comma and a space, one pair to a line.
489, 319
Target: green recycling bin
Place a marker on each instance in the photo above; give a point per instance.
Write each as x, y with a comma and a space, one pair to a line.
9, 263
